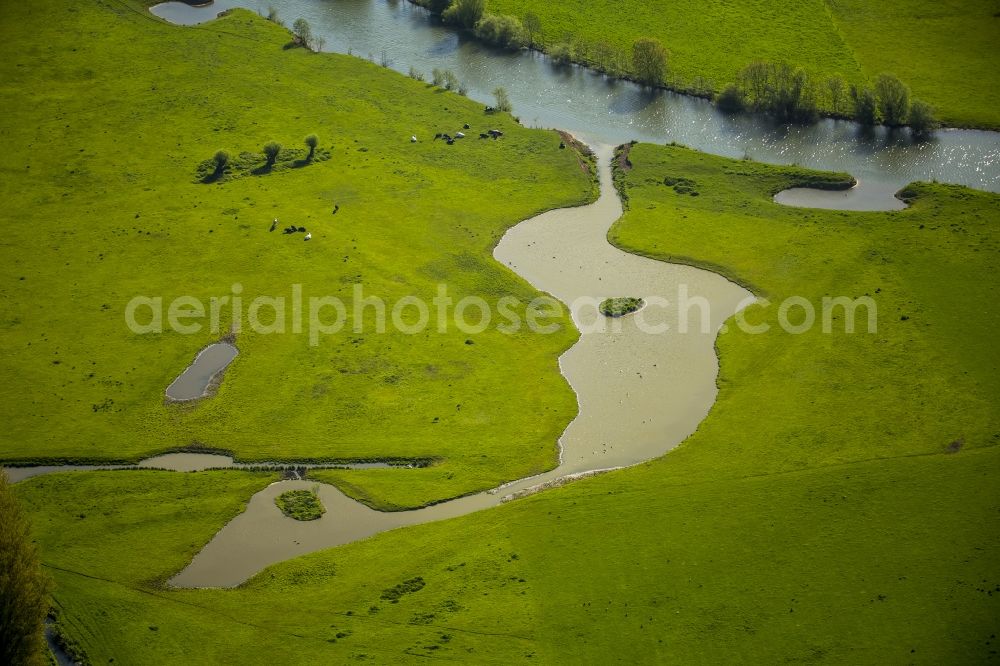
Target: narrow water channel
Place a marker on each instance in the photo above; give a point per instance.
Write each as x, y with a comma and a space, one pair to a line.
640, 393
187, 461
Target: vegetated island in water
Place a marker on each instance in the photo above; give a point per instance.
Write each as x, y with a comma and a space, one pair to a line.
619, 307
300, 504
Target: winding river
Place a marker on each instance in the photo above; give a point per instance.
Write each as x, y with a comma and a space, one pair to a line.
639, 394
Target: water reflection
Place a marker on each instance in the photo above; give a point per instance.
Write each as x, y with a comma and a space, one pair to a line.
545, 94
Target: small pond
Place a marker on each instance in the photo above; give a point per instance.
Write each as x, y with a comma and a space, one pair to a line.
195, 381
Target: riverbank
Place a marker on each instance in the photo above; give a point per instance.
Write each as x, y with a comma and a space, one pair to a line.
639, 394
709, 45
408, 39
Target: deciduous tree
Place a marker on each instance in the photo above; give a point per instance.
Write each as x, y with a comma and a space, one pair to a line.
893, 99
24, 588
271, 150
465, 13
312, 141
650, 61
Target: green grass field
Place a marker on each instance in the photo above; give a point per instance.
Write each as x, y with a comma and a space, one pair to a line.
838, 504
103, 204
823, 511
915, 39
927, 378
888, 561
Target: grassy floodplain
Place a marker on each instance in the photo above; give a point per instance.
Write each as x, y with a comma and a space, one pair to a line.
109, 119
854, 523
943, 51
839, 504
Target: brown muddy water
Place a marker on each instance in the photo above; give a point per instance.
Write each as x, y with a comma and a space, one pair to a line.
640, 393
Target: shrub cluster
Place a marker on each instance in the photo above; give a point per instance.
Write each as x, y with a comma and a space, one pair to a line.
394, 594
789, 94
778, 89
445, 78
619, 307
301, 504
464, 13
505, 31
890, 102
223, 166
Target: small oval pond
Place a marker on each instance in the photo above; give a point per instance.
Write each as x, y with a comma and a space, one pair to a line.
182, 13
856, 198
196, 380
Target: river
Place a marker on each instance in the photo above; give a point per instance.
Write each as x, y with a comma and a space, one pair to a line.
640, 394
613, 112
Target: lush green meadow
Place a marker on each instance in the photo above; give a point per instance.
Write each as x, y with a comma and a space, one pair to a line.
944, 51
874, 562
839, 503
107, 121
928, 376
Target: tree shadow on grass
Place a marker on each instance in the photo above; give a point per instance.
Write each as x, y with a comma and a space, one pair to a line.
213, 177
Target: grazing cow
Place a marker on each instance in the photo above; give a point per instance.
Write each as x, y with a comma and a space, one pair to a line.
459, 135
274, 224
562, 145
489, 109
466, 126
302, 229
336, 208
308, 236
451, 142
413, 139
446, 137
483, 135
437, 136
